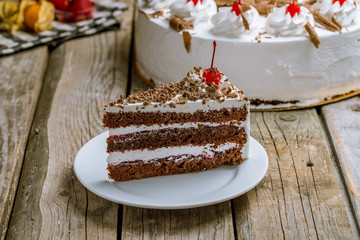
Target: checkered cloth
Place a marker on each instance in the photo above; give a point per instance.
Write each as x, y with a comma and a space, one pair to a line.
103, 19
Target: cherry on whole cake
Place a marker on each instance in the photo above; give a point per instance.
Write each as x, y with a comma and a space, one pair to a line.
212, 75
293, 9
236, 7
195, 1
340, 1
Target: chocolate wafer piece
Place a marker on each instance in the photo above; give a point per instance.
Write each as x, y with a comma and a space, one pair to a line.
245, 21
336, 23
179, 24
325, 22
313, 35
187, 40
263, 8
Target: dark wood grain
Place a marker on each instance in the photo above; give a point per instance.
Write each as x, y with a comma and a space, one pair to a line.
343, 123
21, 78
83, 76
299, 197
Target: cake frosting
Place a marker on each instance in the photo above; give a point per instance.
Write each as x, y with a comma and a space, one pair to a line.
274, 61
228, 23
158, 5
194, 10
345, 12
283, 24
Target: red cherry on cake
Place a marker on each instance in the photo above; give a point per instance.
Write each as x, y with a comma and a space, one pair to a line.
293, 9
60, 4
340, 1
212, 75
195, 1
236, 8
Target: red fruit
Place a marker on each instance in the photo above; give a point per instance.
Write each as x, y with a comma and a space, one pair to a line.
340, 1
293, 9
60, 4
195, 1
236, 8
212, 75
80, 10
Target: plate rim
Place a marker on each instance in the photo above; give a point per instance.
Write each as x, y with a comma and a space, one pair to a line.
173, 206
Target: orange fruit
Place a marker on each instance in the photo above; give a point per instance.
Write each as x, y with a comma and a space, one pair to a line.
32, 15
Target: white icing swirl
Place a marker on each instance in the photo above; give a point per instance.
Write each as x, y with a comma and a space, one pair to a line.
226, 23
345, 14
158, 4
188, 11
280, 23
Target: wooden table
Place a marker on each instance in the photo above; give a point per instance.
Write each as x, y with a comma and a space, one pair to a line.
51, 103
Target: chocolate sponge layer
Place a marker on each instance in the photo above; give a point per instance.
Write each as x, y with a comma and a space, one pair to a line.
125, 119
172, 165
200, 136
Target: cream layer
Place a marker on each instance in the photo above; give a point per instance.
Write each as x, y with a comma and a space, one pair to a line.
189, 107
134, 129
147, 155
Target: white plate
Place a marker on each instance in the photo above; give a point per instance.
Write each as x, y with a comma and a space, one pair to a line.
169, 192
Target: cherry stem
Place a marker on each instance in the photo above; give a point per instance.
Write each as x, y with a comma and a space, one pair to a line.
293, 2
212, 61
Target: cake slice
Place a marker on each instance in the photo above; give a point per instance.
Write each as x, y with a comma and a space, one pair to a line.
193, 125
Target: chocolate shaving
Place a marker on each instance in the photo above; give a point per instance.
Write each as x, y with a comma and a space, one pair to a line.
179, 24
245, 21
187, 40
245, 7
313, 35
311, 2
324, 22
156, 14
333, 20
263, 8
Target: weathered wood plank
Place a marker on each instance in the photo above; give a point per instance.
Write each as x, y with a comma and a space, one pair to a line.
212, 222
300, 196
343, 123
83, 76
20, 84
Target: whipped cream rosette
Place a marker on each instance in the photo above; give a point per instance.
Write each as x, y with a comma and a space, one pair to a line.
158, 4
230, 24
281, 23
194, 10
344, 11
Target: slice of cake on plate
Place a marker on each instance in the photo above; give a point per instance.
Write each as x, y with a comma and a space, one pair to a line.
198, 123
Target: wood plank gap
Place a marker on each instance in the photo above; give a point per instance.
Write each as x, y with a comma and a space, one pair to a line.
21, 208
350, 209
21, 80
131, 55
27, 140
297, 199
120, 221
233, 219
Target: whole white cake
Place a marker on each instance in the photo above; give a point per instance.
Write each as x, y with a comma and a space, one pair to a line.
286, 55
